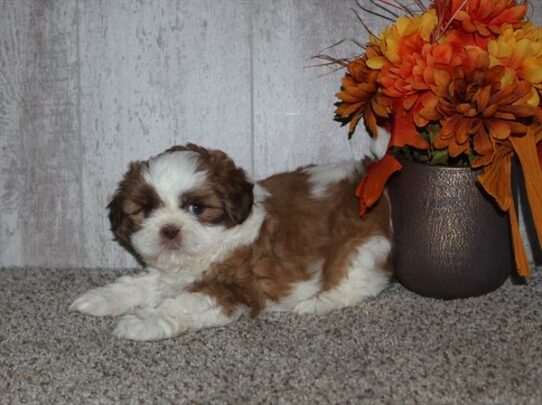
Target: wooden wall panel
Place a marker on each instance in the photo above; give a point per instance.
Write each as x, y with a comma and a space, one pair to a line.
40, 201
155, 74
88, 85
294, 104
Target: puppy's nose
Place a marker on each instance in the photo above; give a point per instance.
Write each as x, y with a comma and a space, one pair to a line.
169, 232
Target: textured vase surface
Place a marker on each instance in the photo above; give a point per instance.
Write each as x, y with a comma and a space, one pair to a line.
450, 240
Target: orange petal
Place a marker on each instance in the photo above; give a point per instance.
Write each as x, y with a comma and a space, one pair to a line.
513, 14
442, 78
525, 148
482, 161
405, 132
462, 134
498, 129
503, 97
408, 102
455, 149
348, 81
503, 116
449, 127
354, 124
482, 98
360, 91
475, 125
495, 179
522, 264
482, 29
376, 62
379, 109
370, 121
346, 97
468, 26
372, 186
345, 109
521, 111
517, 127
483, 144
419, 120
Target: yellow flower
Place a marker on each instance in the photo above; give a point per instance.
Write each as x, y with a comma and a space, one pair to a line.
400, 38
519, 50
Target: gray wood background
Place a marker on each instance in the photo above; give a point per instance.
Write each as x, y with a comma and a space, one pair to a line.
87, 85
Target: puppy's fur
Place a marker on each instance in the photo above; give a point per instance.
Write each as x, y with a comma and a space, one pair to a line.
217, 246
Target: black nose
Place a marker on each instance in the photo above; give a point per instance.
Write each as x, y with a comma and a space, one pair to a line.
169, 232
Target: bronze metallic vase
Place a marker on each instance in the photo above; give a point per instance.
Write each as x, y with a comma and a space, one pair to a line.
450, 240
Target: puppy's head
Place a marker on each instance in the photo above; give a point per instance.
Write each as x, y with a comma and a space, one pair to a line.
179, 204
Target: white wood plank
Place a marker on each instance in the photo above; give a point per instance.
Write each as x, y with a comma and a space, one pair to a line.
155, 74
293, 104
40, 199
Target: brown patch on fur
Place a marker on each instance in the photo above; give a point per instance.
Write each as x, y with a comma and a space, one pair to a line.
228, 182
299, 231
132, 202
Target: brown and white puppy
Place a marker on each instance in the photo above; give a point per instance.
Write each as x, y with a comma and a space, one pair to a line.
217, 246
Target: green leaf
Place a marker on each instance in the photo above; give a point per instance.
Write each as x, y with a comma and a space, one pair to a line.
440, 157
426, 135
420, 156
433, 130
471, 157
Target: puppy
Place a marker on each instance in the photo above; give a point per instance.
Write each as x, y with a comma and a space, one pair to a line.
217, 246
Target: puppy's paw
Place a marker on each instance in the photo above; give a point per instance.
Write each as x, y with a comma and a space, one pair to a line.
313, 306
305, 307
143, 325
98, 302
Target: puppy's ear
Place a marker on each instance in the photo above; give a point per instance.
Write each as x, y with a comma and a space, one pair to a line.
231, 184
239, 198
121, 224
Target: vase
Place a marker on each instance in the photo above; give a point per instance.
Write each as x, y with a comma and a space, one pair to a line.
450, 240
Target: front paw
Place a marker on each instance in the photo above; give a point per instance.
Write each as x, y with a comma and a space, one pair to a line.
142, 325
98, 302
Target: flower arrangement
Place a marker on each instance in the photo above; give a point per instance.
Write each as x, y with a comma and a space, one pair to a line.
456, 83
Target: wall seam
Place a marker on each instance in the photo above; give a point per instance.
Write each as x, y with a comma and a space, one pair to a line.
79, 113
252, 87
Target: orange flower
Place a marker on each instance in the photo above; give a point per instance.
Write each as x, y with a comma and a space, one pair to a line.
485, 17
412, 79
360, 96
476, 110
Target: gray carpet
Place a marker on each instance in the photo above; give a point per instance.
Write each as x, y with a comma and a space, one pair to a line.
398, 348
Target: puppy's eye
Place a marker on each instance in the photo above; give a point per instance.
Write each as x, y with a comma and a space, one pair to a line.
143, 212
195, 208
136, 212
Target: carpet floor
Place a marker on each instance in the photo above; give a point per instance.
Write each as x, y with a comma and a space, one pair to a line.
398, 348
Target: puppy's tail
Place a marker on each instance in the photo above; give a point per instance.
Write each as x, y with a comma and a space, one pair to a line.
378, 147
379, 144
